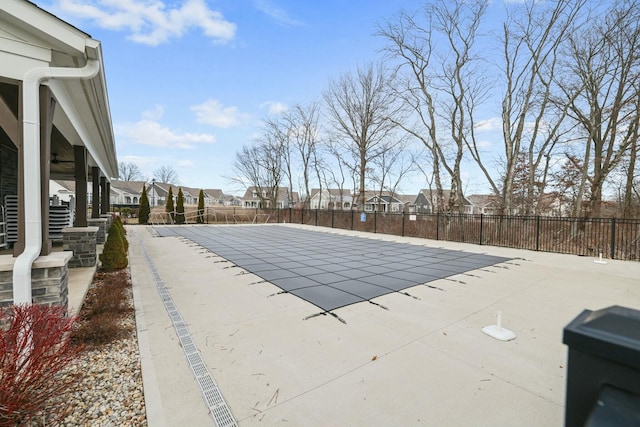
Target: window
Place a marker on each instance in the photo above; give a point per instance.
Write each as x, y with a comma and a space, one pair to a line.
346, 204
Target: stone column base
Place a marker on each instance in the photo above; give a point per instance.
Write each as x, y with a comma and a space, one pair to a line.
49, 279
82, 241
102, 224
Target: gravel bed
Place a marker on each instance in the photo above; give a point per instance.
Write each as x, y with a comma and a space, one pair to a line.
109, 391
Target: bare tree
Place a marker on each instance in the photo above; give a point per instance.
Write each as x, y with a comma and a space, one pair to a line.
277, 133
129, 171
441, 88
601, 82
166, 174
532, 37
260, 166
304, 139
359, 106
391, 167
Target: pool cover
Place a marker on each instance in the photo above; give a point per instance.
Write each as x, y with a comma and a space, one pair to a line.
326, 269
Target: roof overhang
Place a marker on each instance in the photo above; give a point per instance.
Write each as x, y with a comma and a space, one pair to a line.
30, 38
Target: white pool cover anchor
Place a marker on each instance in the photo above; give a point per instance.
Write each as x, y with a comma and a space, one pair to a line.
497, 331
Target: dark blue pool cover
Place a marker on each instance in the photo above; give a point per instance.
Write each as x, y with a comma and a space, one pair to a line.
326, 269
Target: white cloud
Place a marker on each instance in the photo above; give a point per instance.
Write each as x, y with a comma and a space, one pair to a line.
151, 22
150, 132
155, 114
213, 113
138, 160
186, 163
275, 107
276, 12
494, 123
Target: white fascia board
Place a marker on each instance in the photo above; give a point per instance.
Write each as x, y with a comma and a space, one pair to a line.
15, 66
27, 50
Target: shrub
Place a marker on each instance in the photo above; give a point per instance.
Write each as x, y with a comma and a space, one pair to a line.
113, 256
180, 207
145, 209
118, 222
35, 347
104, 306
101, 329
200, 217
169, 205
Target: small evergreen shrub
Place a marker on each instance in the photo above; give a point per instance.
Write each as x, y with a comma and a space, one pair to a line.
118, 222
180, 219
200, 217
113, 256
169, 206
145, 209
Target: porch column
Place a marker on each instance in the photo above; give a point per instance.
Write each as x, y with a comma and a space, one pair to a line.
104, 197
95, 199
80, 158
47, 108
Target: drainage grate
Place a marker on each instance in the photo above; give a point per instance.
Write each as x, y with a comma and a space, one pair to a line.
211, 394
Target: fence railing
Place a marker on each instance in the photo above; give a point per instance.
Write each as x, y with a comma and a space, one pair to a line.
611, 237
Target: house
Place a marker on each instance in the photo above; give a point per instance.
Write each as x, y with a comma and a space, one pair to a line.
331, 198
55, 124
426, 202
126, 192
62, 191
214, 196
383, 203
487, 204
252, 199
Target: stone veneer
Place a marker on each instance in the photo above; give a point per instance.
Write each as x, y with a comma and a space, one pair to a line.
49, 279
109, 218
103, 228
82, 241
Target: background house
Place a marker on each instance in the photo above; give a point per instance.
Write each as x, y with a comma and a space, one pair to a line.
331, 198
254, 198
427, 202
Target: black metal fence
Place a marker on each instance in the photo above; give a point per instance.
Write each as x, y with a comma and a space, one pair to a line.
611, 237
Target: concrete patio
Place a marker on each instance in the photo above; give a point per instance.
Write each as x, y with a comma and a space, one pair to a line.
424, 361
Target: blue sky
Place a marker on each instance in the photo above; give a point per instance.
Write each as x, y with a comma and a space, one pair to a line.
190, 80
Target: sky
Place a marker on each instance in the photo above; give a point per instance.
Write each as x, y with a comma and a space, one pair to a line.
190, 81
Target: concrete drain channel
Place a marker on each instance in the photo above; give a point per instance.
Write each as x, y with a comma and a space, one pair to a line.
210, 391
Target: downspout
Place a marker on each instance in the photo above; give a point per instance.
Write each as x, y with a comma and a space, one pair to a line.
31, 144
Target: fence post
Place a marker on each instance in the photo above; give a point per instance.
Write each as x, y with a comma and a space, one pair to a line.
352, 219
481, 224
302, 216
316, 217
402, 224
278, 220
289, 215
538, 233
613, 238
375, 221
332, 213
438, 226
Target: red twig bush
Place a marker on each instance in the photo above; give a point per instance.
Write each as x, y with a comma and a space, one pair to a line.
35, 347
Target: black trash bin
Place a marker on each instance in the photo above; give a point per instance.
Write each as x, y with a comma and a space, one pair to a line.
603, 378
